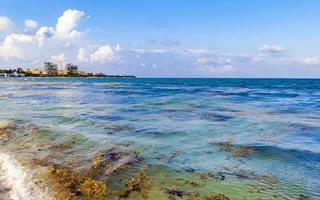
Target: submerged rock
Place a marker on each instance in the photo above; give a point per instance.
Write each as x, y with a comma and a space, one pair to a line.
303, 197
189, 169
175, 192
6, 127
5, 124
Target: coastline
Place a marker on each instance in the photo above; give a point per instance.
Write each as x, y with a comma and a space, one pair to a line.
73, 76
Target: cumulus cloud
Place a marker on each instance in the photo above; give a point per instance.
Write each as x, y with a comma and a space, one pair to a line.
58, 58
267, 48
13, 45
82, 55
30, 26
312, 60
38, 43
104, 54
98, 54
65, 27
6, 25
44, 33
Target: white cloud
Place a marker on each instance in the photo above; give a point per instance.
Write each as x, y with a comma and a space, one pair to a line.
214, 60
218, 69
65, 27
267, 48
118, 48
195, 51
155, 51
12, 46
39, 44
30, 26
82, 55
98, 54
312, 60
139, 51
58, 58
44, 33
158, 51
64, 30
12, 38
103, 54
6, 25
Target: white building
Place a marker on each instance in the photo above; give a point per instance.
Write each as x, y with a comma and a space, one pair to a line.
71, 68
50, 68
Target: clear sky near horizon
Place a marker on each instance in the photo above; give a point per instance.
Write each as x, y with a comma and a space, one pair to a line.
165, 38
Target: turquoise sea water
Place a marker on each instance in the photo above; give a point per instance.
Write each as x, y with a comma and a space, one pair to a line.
186, 126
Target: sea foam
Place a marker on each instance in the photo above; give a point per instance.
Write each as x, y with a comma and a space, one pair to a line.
19, 181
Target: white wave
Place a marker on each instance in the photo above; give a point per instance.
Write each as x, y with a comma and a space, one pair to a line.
22, 186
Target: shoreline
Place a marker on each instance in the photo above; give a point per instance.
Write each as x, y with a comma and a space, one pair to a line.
101, 76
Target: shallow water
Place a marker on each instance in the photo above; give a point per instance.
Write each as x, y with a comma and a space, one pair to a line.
245, 138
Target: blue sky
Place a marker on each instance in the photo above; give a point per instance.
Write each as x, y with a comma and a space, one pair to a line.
167, 38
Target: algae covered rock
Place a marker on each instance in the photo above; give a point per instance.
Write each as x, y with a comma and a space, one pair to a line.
93, 189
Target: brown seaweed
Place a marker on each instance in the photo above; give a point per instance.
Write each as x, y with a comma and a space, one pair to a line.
40, 162
93, 189
63, 182
138, 184
236, 151
216, 197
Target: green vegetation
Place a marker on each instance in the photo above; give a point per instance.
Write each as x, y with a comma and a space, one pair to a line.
19, 72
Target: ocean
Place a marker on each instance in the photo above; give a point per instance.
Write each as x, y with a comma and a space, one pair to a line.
140, 138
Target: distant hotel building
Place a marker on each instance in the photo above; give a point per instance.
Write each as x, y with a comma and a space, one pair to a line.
50, 68
71, 68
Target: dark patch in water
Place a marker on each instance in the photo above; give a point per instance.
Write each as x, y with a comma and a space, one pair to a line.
110, 155
216, 117
227, 110
304, 197
189, 169
110, 118
118, 128
175, 192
